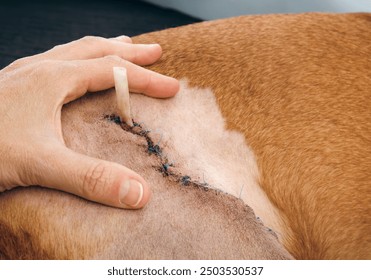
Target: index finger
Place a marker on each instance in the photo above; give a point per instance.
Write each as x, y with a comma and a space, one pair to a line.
96, 74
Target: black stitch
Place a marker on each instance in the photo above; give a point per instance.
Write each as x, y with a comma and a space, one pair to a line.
137, 129
113, 118
154, 149
185, 180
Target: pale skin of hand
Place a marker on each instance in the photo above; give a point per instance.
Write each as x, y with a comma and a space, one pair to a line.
32, 93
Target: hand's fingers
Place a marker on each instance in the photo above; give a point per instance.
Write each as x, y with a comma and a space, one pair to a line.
96, 180
95, 47
96, 74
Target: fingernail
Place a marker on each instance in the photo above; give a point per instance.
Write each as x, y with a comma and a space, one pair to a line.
131, 193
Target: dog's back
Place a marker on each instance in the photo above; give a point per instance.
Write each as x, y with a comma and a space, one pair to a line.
299, 88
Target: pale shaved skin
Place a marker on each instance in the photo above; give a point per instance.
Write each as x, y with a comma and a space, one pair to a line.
298, 88
263, 154
183, 220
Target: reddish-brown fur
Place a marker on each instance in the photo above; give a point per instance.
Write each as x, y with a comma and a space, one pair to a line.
180, 222
298, 88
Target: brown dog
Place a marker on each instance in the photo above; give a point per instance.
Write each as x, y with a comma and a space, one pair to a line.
294, 93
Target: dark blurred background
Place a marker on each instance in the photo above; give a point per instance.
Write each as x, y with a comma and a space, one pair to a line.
213, 9
34, 27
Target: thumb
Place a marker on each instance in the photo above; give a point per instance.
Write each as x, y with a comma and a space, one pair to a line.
96, 180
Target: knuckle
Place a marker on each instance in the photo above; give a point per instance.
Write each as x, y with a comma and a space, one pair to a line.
90, 39
93, 44
58, 47
114, 58
96, 180
125, 39
18, 63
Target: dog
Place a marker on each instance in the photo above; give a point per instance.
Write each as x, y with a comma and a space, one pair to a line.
263, 154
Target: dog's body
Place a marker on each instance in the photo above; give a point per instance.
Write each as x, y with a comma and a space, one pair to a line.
294, 91
186, 219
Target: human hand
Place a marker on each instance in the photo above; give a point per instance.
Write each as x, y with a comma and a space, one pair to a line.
32, 93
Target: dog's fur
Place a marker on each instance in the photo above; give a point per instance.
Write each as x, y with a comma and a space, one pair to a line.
297, 87
186, 218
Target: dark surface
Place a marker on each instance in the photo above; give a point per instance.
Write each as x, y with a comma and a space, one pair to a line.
34, 27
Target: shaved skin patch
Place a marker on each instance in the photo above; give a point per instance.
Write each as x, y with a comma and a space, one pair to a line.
191, 132
183, 220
